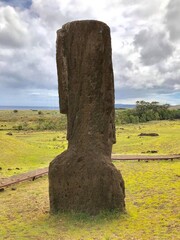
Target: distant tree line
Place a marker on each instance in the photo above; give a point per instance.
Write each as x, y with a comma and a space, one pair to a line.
146, 111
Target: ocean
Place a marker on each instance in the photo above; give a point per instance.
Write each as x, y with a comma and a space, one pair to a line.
53, 107
28, 108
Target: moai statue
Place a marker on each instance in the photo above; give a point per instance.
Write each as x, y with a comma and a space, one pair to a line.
83, 178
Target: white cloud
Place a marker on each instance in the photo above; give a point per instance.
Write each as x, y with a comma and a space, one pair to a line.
13, 31
173, 18
154, 46
51, 15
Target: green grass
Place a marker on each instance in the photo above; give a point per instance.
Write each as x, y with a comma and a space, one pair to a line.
29, 149
32, 120
152, 188
168, 141
152, 201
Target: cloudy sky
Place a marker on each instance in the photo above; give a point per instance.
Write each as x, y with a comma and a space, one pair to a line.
145, 44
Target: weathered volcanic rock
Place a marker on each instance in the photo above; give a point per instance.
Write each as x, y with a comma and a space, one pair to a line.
148, 134
83, 178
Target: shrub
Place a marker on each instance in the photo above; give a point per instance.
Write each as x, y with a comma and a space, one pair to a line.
146, 111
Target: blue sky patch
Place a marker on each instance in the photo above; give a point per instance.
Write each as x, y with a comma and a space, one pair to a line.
18, 3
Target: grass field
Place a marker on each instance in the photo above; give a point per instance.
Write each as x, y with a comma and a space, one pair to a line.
168, 141
28, 149
32, 147
152, 201
152, 188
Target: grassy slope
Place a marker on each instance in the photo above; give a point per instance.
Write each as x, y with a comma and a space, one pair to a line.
28, 151
152, 199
